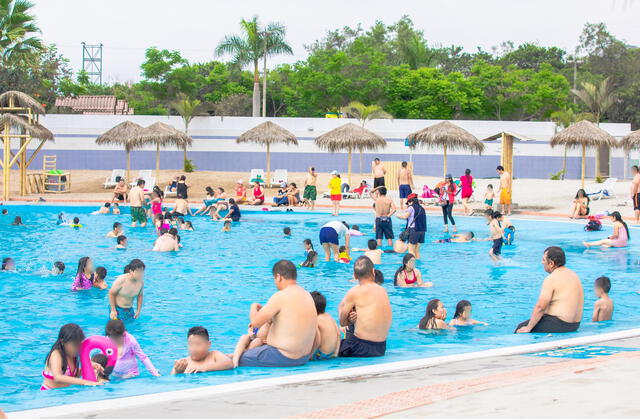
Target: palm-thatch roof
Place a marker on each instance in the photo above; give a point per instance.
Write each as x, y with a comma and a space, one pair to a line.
268, 133
583, 133
448, 135
350, 137
21, 100
162, 135
20, 122
125, 134
631, 141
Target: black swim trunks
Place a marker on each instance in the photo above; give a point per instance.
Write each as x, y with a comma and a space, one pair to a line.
636, 202
378, 181
551, 324
353, 346
497, 246
384, 228
415, 237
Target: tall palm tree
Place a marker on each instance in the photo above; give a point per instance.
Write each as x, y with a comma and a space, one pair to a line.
274, 43
598, 98
249, 47
188, 109
563, 119
364, 113
17, 28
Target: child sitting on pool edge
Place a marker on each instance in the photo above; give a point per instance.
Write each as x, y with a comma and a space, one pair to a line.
200, 358
329, 343
603, 308
462, 316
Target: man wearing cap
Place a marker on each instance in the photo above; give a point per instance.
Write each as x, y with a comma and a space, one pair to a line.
310, 191
416, 224
335, 190
378, 170
241, 193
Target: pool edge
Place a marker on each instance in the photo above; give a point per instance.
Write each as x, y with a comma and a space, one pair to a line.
390, 367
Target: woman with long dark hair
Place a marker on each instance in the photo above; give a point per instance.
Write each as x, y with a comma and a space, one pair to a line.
580, 207
447, 199
434, 317
408, 275
620, 236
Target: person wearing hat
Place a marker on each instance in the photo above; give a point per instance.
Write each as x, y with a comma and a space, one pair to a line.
447, 199
416, 224
310, 191
241, 193
335, 190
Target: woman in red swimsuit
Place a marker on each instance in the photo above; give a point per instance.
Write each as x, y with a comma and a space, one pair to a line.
258, 195
407, 275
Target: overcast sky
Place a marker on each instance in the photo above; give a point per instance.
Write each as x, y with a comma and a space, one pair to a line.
194, 27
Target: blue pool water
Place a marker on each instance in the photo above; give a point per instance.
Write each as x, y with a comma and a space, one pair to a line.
218, 275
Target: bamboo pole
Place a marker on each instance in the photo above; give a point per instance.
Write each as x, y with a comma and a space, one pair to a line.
157, 163
268, 179
349, 166
445, 160
584, 158
21, 164
6, 157
128, 165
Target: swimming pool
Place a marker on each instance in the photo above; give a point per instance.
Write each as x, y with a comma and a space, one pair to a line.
218, 275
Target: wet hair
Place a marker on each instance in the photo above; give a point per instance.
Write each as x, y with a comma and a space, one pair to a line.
405, 260
467, 172
488, 212
320, 301
102, 360
404, 164
500, 168
372, 244
140, 182
462, 304
378, 277
59, 266
363, 268
107, 204
76, 220
189, 224
209, 190
181, 220
342, 249
115, 204
308, 262
82, 264
5, 211
286, 231
17, 221
135, 264
101, 272
70, 332
490, 186
556, 255
584, 194
173, 231
470, 233
285, 269
227, 223
115, 328
116, 225
382, 190
308, 242
603, 283
616, 216
121, 238
5, 262
198, 331
429, 319
355, 227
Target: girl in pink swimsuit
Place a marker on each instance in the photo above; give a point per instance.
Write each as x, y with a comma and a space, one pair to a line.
62, 366
156, 203
129, 351
620, 236
84, 276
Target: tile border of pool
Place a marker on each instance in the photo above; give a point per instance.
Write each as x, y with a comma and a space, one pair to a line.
107, 405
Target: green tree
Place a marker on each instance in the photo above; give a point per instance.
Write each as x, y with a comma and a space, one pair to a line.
532, 56
249, 47
597, 98
18, 41
563, 119
188, 108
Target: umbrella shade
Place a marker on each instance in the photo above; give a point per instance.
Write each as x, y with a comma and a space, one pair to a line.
162, 135
34, 129
448, 136
268, 133
20, 100
583, 135
631, 141
350, 137
124, 134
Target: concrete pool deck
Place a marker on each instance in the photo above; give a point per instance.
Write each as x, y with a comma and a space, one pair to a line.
518, 385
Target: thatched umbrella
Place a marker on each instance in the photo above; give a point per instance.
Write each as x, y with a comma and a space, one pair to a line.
124, 134
15, 99
582, 135
631, 140
350, 137
268, 133
162, 135
448, 136
22, 123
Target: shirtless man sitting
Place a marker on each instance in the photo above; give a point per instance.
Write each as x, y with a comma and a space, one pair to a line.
120, 191
125, 289
372, 317
168, 242
384, 209
561, 300
294, 323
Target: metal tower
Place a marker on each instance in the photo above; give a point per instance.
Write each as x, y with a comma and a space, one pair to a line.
92, 62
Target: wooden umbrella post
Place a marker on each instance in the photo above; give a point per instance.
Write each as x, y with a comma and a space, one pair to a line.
128, 165
157, 163
445, 159
349, 166
6, 169
584, 158
268, 179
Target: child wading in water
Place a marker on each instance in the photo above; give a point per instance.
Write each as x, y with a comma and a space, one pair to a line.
462, 317
129, 351
200, 358
85, 275
434, 317
497, 233
488, 197
603, 308
124, 289
62, 365
311, 260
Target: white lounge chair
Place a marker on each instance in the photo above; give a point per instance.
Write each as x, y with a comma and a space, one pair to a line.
602, 190
279, 176
149, 183
255, 173
168, 193
142, 174
111, 181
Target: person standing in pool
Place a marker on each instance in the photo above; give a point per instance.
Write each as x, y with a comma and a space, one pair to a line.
561, 301
370, 303
635, 192
405, 182
378, 170
310, 188
294, 323
137, 198
330, 235
384, 208
416, 224
125, 289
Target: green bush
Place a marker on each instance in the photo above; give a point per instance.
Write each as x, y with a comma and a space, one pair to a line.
189, 166
599, 179
559, 175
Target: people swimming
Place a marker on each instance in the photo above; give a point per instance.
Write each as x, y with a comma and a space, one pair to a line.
121, 242
372, 252
435, 316
105, 209
226, 227
311, 261
17, 221
75, 223
115, 209
286, 232
343, 255
200, 356
129, 351
100, 277
408, 275
167, 242
125, 289
603, 307
8, 265
84, 275
58, 268
462, 316
620, 236
467, 237
102, 374
116, 231
328, 344
308, 246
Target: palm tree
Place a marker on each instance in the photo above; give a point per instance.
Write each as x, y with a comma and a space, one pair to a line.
188, 109
17, 26
274, 43
253, 43
563, 119
598, 99
364, 114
